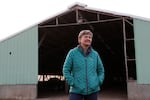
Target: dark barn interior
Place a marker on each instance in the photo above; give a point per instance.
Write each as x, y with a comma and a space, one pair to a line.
113, 39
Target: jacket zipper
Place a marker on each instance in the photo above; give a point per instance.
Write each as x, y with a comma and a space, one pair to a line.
86, 75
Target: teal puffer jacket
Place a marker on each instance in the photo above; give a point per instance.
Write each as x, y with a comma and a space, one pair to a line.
84, 73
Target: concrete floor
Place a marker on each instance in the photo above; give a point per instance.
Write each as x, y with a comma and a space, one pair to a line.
111, 94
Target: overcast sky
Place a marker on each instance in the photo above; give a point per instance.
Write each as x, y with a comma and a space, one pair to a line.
18, 15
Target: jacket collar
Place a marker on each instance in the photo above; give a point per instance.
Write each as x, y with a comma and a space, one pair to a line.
81, 50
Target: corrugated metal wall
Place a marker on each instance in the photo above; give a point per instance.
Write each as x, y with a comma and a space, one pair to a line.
142, 50
19, 58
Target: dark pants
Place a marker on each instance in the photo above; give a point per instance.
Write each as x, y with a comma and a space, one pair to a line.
74, 96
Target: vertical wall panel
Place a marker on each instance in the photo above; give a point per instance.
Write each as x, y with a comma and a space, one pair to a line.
19, 58
142, 50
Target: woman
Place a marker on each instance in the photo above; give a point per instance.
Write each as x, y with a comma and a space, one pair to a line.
83, 69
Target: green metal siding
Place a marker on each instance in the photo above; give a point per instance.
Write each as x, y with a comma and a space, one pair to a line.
19, 58
142, 50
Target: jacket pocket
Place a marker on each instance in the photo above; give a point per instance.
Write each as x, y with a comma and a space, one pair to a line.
79, 84
93, 83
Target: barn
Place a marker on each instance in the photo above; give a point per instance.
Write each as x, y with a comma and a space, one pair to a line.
31, 61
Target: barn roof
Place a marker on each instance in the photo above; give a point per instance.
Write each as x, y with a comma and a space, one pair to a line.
78, 13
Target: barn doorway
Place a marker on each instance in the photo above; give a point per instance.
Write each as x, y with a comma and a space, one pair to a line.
108, 40
113, 39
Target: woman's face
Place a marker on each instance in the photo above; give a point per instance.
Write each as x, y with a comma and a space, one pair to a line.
85, 40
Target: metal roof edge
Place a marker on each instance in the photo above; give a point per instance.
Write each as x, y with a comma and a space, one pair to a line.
82, 6
16, 33
118, 13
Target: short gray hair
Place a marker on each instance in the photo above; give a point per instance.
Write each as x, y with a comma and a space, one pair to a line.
84, 32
